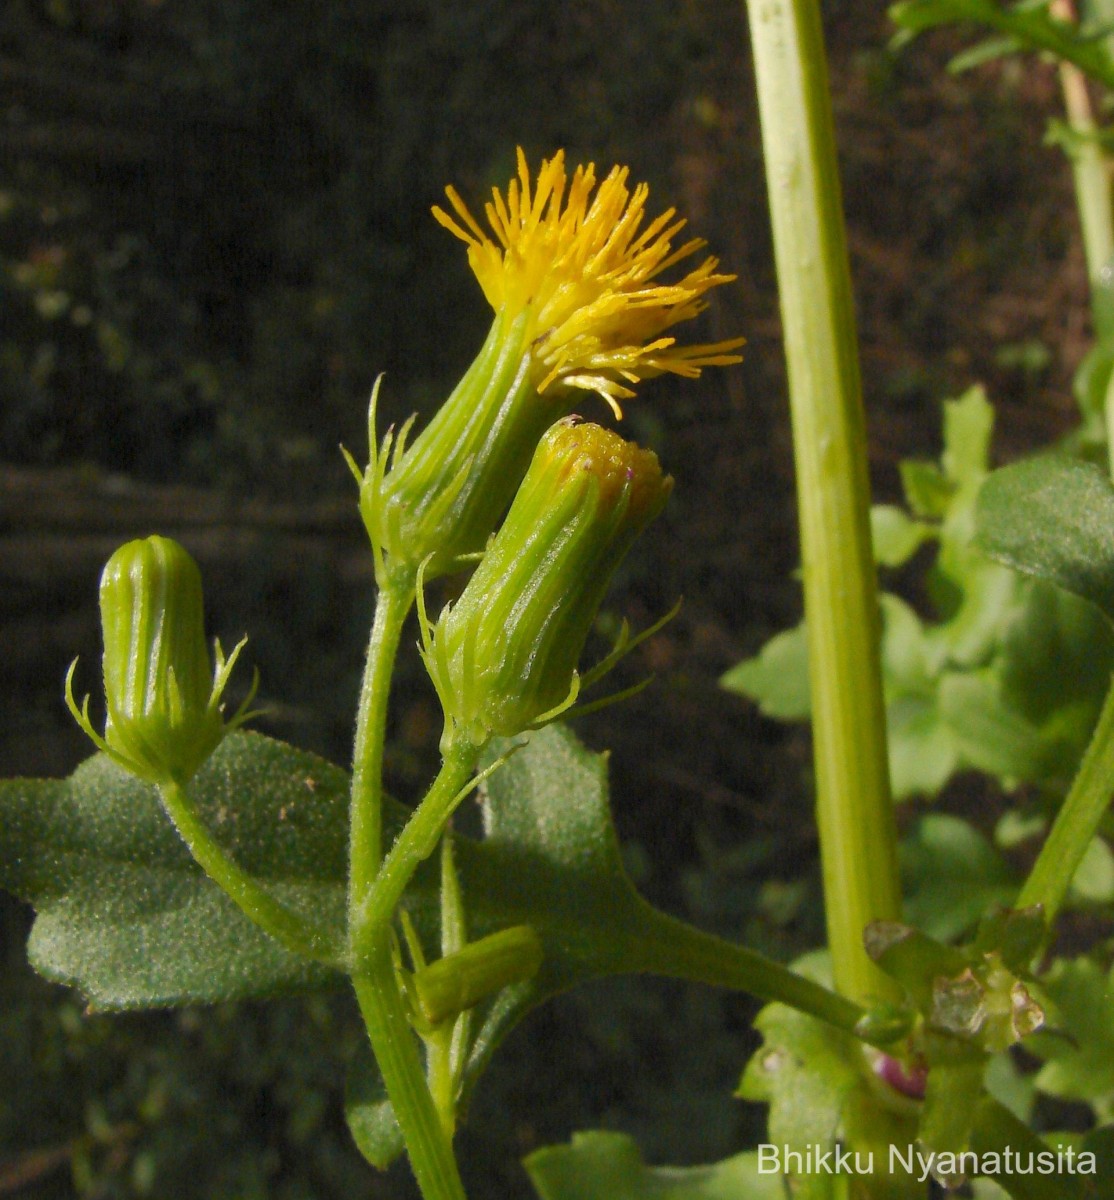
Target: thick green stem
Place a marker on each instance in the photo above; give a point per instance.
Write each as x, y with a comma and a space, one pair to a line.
1077, 821
271, 915
392, 1040
365, 815
415, 843
854, 809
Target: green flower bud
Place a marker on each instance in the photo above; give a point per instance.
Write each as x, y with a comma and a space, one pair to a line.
436, 500
459, 981
503, 657
161, 691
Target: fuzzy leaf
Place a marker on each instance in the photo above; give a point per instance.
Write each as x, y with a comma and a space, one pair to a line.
609, 1166
124, 913
1053, 517
370, 1115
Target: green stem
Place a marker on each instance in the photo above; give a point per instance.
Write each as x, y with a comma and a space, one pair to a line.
365, 819
1077, 821
392, 1040
428, 1143
271, 915
661, 945
1094, 200
414, 844
858, 839
998, 1131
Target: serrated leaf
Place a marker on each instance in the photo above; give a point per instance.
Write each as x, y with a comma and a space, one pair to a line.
953, 876
817, 1091
1053, 517
123, 911
609, 1166
807, 1077
777, 677
968, 425
1081, 1065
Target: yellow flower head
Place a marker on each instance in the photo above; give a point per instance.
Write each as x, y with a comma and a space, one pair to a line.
588, 273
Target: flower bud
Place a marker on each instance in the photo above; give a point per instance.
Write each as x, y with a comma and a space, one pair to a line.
459, 981
161, 692
503, 658
438, 499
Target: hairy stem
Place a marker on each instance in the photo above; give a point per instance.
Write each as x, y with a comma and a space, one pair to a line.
271, 915
366, 818
396, 1052
414, 844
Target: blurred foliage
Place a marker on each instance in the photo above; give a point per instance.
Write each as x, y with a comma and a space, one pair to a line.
1005, 675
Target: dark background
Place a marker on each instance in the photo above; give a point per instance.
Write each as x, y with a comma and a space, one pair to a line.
214, 234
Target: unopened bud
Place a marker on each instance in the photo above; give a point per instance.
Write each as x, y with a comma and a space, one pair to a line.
164, 716
503, 658
459, 981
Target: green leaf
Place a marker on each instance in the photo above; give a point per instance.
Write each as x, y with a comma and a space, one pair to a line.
818, 1091
923, 750
983, 52
896, 537
1030, 24
1053, 518
968, 425
1079, 1066
1093, 881
953, 876
125, 914
808, 1078
369, 1113
777, 678
609, 1166
928, 491
991, 735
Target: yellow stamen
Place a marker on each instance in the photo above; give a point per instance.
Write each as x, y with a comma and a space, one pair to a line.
574, 256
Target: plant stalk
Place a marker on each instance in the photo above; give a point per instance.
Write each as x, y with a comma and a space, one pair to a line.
428, 1144
414, 844
665, 946
271, 915
858, 839
1094, 199
1077, 821
366, 809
